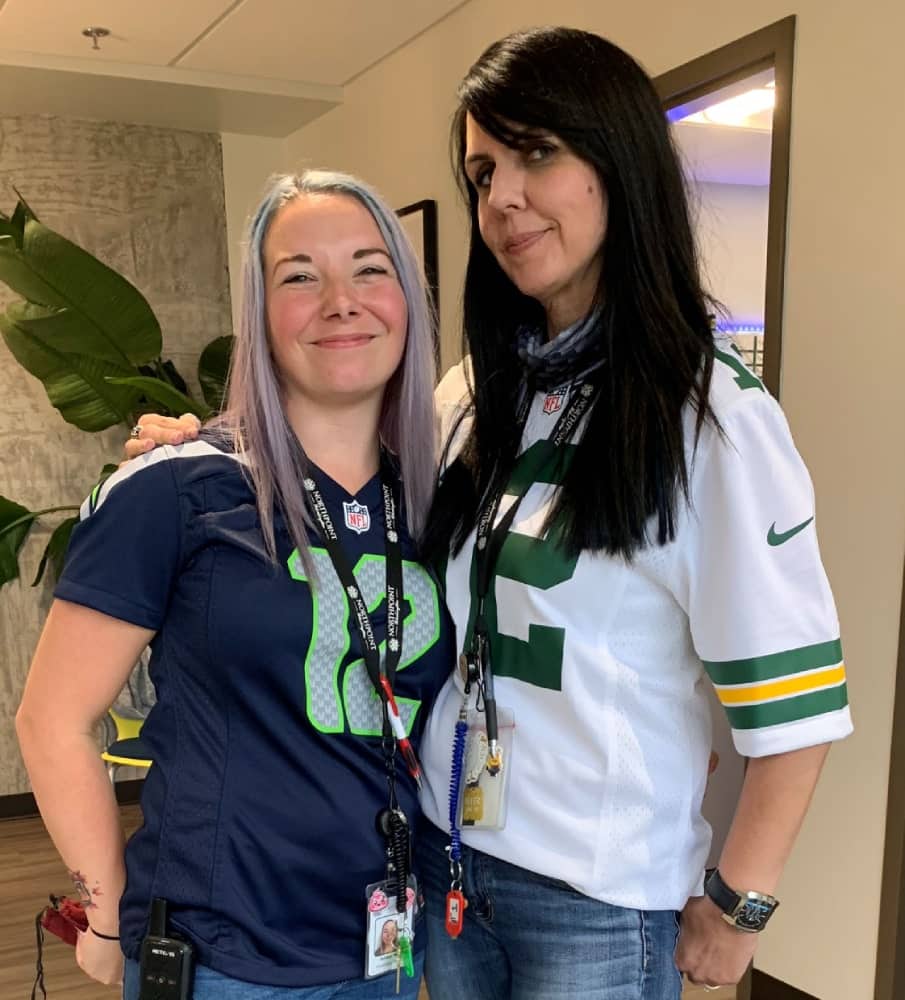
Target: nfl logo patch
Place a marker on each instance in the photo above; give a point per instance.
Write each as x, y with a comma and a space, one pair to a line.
553, 402
358, 517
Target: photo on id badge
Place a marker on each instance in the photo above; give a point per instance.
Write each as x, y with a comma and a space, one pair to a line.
384, 939
390, 934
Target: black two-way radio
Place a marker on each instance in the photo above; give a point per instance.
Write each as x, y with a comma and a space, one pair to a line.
166, 962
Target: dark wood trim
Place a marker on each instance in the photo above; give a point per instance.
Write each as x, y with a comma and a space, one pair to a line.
771, 46
890, 979
19, 806
764, 987
428, 209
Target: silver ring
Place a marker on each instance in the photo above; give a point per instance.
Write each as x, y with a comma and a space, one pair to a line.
136, 431
710, 989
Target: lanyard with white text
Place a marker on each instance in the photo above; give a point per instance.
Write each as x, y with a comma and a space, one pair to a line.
392, 822
381, 673
475, 662
489, 543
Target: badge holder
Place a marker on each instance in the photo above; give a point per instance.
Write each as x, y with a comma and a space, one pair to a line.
485, 781
391, 934
392, 903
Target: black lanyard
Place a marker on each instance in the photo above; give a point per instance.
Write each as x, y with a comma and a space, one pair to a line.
382, 674
489, 541
391, 822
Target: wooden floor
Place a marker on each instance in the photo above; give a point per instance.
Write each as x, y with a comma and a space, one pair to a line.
29, 870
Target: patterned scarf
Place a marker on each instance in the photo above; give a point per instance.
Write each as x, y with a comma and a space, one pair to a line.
572, 354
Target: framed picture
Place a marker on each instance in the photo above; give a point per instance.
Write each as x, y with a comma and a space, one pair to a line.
420, 223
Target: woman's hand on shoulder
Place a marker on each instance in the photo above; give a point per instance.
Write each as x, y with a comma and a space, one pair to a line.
155, 430
100, 959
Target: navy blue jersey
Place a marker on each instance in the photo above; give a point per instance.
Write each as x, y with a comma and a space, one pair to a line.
268, 770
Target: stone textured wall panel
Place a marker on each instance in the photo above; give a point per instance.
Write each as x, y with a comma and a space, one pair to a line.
149, 202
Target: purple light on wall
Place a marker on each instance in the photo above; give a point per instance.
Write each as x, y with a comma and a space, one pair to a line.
677, 113
733, 328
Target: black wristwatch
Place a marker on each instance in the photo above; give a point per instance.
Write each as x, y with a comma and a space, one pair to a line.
746, 911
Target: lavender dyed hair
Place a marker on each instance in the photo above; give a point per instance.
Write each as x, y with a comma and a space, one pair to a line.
254, 413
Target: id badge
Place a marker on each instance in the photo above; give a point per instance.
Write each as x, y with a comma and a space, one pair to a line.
390, 936
482, 802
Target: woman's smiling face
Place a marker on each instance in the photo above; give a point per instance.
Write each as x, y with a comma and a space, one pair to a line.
336, 312
542, 212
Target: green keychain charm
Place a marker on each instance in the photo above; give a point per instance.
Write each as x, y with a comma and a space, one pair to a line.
405, 954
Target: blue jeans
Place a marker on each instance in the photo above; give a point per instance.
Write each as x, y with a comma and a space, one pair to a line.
528, 937
210, 985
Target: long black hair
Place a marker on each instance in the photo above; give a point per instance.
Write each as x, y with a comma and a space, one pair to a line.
656, 336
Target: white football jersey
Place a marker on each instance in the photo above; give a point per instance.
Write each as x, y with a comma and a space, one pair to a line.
605, 663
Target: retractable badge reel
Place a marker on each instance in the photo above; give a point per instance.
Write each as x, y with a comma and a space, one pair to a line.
392, 904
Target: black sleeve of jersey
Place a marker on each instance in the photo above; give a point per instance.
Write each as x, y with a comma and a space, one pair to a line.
125, 553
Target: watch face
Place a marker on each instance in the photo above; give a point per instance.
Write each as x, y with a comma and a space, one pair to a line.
753, 914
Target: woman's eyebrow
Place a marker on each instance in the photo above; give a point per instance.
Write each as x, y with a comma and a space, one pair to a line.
295, 258
477, 158
368, 251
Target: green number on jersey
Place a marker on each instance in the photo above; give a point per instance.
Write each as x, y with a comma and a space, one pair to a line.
744, 378
534, 562
333, 704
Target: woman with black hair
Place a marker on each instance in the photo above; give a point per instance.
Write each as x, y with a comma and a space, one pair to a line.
621, 519
621, 513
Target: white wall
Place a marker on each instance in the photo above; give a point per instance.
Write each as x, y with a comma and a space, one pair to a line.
247, 162
843, 354
731, 226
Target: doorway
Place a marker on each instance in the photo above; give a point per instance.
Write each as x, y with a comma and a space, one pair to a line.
730, 112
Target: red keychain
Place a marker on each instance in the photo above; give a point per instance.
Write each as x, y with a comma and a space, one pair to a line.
455, 912
64, 917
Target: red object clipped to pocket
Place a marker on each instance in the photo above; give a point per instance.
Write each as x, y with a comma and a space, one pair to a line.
64, 917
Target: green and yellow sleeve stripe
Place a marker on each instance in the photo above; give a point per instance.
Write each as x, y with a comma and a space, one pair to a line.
782, 687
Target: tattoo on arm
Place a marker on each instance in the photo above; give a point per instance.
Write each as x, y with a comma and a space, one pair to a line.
84, 891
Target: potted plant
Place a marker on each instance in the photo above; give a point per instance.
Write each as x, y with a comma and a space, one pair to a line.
93, 341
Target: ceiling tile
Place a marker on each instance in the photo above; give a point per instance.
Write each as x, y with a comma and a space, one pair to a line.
207, 107
150, 33
309, 40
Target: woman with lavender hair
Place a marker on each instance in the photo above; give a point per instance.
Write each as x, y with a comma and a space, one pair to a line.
285, 726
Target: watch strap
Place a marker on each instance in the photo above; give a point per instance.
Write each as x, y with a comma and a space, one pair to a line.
725, 898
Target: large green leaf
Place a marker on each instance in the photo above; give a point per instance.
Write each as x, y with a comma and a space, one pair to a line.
175, 402
213, 368
76, 385
55, 550
63, 330
47, 269
15, 523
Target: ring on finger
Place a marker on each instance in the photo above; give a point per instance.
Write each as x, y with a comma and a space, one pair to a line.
710, 989
136, 431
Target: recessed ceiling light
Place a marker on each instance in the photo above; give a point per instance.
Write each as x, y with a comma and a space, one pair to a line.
736, 111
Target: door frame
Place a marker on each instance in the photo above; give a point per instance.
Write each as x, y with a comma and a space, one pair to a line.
889, 982
772, 46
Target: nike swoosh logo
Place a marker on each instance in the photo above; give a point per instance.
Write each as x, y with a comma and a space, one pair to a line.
775, 537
